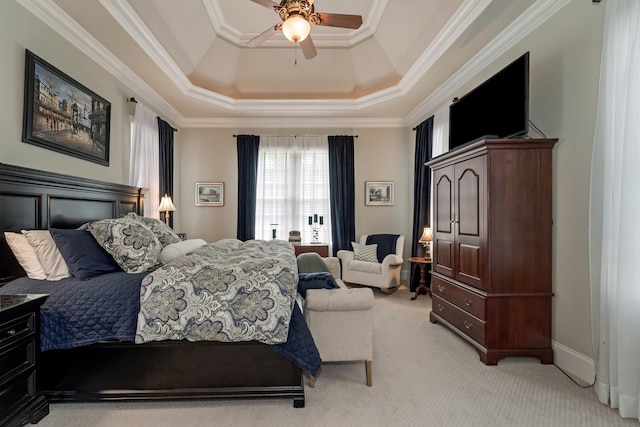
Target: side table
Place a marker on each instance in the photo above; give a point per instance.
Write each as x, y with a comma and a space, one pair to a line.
319, 248
422, 287
20, 401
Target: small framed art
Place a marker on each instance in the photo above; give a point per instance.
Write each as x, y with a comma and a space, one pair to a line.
378, 193
209, 193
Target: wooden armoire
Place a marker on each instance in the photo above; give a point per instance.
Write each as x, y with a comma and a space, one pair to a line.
491, 271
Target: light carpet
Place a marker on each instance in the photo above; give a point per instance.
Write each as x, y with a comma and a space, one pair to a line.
423, 375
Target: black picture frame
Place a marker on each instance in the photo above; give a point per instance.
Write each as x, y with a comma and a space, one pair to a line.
63, 115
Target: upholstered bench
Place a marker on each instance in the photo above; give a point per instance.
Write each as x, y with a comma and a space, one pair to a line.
341, 321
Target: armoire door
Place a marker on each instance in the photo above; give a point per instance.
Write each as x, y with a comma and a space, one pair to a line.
469, 221
443, 228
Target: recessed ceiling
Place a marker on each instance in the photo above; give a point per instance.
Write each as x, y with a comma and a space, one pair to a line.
189, 58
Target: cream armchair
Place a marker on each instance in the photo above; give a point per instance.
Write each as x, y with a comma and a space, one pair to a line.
384, 275
341, 321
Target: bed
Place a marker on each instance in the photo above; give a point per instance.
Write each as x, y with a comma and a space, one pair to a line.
123, 370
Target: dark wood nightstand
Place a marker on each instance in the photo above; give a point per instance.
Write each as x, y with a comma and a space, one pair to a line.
319, 248
20, 402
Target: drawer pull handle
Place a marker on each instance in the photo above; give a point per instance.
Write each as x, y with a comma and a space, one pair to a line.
11, 332
468, 302
441, 289
440, 307
468, 324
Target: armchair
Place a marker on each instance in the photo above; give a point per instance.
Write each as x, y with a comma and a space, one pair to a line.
385, 273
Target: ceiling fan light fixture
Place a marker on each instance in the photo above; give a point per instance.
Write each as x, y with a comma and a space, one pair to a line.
296, 28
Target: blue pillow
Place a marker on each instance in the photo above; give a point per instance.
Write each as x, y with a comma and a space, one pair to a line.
320, 280
85, 258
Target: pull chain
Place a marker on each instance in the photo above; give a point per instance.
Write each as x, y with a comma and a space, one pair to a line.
295, 50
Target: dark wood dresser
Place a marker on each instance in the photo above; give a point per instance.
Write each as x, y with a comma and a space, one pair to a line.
491, 271
20, 402
319, 248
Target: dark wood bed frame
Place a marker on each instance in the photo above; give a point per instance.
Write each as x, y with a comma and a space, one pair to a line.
33, 199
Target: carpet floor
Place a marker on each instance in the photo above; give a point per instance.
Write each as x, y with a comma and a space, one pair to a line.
423, 375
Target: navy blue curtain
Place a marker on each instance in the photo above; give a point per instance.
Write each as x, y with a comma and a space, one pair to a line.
341, 187
165, 140
247, 185
421, 195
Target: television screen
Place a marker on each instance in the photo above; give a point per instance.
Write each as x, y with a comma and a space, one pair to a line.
498, 108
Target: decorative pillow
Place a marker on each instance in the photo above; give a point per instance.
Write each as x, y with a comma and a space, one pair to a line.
311, 262
162, 231
131, 243
176, 250
308, 281
367, 253
85, 258
25, 254
48, 254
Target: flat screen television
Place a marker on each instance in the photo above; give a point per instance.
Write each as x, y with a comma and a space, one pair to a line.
497, 108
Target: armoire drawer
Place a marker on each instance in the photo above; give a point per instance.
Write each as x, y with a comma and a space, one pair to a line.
464, 322
466, 300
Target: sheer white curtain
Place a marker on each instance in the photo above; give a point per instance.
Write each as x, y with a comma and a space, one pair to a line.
144, 167
293, 184
440, 131
614, 235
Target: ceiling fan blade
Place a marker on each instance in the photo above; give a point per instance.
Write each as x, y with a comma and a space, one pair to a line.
261, 38
308, 48
339, 20
267, 3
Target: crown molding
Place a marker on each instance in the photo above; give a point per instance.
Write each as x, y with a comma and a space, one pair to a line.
59, 21
292, 112
239, 39
293, 122
532, 18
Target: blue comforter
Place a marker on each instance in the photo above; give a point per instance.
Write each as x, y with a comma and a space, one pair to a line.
105, 308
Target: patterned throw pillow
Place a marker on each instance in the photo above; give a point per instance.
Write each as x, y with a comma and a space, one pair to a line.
365, 252
161, 230
131, 243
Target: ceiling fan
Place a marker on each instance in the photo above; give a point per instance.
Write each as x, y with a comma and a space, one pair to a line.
297, 17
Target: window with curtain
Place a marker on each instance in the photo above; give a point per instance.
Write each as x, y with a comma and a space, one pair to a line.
293, 185
144, 161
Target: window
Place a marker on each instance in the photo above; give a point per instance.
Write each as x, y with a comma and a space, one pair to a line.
293, 184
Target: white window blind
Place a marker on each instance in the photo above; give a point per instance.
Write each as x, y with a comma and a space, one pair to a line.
293, 184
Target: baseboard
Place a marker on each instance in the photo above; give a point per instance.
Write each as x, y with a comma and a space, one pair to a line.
574, 363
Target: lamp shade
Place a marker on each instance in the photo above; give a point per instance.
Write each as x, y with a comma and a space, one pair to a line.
296, 28
427, 235
166, 204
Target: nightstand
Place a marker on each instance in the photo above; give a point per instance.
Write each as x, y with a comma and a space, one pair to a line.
20, 402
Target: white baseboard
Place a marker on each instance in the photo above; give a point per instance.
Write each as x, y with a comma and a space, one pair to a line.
574, 363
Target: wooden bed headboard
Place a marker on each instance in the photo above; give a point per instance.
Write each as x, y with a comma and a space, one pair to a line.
34, 199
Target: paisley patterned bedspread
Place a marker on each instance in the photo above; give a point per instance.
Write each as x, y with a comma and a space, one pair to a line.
224, 291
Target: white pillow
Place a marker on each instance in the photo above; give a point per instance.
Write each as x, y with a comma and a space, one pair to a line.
48, 254
176, 250
25, 254
367, 253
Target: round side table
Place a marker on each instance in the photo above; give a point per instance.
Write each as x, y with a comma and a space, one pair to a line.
422, 287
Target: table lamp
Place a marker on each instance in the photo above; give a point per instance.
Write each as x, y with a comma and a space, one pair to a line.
166, 206
425, 240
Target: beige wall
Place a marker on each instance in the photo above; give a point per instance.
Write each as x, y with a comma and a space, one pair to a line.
210, 155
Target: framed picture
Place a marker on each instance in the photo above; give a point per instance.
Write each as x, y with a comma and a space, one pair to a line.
209, 194
378, 193
62, 115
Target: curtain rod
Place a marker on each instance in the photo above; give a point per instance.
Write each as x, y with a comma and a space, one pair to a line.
295, 136
132, 99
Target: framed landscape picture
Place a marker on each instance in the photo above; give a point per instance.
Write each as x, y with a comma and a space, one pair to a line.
209, 194
378, 193
62, 115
